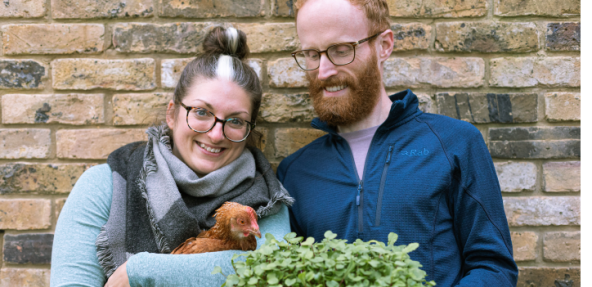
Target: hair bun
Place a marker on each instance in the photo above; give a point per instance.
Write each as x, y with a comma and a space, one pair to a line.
226, 41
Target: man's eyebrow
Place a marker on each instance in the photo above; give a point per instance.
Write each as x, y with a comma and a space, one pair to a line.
328, 45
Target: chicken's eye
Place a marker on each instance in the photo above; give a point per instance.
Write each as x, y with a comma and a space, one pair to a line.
241, 221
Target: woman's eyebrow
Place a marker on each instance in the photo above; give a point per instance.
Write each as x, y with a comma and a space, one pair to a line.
210, 107
237, 113
206, 103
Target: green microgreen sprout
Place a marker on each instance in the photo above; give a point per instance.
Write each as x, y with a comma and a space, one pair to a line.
331, 262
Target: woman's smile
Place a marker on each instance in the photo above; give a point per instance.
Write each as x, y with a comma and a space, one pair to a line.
209, 149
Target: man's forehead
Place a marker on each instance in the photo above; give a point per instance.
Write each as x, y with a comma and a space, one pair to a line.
334, 20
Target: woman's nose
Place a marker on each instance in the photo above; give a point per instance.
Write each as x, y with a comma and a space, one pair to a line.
216, 134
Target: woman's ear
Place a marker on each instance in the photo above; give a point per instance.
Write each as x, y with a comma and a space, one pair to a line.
170, 115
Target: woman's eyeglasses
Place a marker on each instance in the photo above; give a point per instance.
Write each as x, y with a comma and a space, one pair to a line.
201, 120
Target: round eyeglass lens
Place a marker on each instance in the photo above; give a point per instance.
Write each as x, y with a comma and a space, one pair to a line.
236, 129
200, 120
341, 54
308, 59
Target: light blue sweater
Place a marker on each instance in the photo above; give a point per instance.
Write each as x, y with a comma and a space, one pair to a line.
74, 259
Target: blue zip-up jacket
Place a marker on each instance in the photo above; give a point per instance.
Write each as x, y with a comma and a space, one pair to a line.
429, 178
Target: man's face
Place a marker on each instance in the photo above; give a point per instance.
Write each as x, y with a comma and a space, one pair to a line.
341, 95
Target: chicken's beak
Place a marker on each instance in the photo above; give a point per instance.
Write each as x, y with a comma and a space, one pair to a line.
256, 233
255, 229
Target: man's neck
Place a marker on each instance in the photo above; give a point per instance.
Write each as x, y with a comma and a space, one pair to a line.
377, 117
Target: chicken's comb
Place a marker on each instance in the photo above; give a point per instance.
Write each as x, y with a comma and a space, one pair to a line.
251, 211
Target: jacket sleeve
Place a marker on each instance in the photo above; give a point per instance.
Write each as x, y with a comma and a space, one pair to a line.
480, 222
148, 269
74, 257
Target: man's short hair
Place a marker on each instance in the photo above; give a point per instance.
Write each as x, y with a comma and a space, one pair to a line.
377, 12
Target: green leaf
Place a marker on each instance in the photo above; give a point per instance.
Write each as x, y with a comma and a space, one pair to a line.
235, 256
269, 236
332, 283
309, 241
302, 277
290, 282
410, 247
392, 238
290, 236
416, 274
272, 279
232, 280
218, 270
253, 281
330, 235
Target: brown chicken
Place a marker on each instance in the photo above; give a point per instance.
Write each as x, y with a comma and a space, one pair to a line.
235, 229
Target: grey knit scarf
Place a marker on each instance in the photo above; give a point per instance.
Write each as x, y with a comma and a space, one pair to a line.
158, 201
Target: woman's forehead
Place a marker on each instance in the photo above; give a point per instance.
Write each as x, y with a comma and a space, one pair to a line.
219, 94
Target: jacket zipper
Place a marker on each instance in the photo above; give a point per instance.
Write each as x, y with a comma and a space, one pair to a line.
381, 187
360, 191
359, 202
360, 194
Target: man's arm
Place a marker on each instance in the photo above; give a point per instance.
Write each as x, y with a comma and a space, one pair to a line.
479, 219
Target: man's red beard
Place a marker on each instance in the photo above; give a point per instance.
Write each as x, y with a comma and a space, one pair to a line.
364, 92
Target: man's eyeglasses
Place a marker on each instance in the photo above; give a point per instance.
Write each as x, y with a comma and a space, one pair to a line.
201, 120
339, 54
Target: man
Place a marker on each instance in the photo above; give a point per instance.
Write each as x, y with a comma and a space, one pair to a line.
385, 166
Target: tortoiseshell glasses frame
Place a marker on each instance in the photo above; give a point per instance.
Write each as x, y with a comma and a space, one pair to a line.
236, 124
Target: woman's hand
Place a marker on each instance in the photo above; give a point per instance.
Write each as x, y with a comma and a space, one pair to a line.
119, 277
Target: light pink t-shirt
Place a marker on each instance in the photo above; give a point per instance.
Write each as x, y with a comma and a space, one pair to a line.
359, 142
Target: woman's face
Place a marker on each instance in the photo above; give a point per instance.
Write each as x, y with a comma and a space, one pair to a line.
223, 98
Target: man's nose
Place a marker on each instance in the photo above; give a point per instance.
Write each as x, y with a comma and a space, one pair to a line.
216, 134
326, 68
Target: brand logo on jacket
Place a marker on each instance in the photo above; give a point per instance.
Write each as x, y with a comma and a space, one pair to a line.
416, 152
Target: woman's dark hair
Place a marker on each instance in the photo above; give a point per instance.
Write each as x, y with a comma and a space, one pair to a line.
224, 56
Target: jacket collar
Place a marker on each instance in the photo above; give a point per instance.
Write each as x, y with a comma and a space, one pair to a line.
403, 108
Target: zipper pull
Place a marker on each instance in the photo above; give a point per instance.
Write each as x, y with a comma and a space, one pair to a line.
388, 157
358, 196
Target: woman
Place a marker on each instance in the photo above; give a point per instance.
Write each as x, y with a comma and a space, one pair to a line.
123, 218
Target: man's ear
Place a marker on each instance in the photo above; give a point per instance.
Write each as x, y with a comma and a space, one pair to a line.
386, 41
170, 115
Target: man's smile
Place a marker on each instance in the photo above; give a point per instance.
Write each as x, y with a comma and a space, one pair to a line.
335, 88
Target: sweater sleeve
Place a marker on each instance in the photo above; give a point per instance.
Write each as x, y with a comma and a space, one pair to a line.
480, 221
74, 257
148, 269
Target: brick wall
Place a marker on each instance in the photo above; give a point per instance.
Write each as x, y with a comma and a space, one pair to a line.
79, 78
